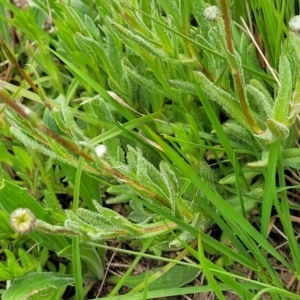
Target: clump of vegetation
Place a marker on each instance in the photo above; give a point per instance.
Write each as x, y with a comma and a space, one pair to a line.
183, 113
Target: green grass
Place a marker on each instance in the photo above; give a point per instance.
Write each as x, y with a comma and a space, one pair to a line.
199, 134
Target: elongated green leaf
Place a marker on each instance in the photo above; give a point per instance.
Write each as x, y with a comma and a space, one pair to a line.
163, 34
183, 86
238, 133
173, 10
224, 99
281, 105
144, 82
97, 50
137, 43
260, 101
72, 18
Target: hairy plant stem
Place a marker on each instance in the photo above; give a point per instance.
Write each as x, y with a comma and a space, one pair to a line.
234, 69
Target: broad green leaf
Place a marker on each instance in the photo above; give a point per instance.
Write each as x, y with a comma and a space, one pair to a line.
13, 197
175, 277
231, 178
42, 285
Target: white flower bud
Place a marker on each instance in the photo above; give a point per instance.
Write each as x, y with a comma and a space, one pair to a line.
22, 221
211, 13
100, 150
295, 24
